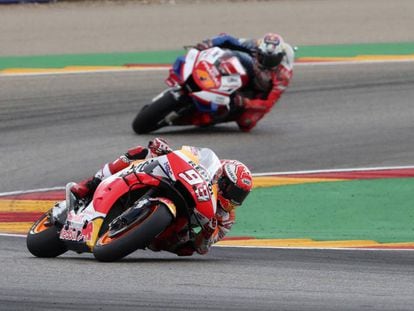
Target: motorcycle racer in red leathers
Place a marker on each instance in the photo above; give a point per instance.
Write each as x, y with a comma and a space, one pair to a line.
234, 183
269, 64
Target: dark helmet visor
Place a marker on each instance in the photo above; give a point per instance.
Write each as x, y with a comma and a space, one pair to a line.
269, 61
231, 192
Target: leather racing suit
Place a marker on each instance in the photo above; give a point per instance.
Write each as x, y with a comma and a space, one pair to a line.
211, 232
265, 86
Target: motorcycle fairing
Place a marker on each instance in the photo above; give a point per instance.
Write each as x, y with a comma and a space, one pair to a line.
182, 165
218, 71
82, 227
197, 173
217, 78
112, 188
190, 59
210, 101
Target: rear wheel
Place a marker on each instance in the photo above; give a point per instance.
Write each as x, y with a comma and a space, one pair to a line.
43, 239
151, 117
139, 234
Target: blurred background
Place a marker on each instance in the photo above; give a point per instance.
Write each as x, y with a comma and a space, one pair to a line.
128, 26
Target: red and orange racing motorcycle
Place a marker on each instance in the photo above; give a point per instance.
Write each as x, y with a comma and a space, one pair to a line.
201, 89
144, 204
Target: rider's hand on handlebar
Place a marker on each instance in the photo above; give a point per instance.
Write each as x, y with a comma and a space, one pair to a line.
159, 146
239, 101
204, 45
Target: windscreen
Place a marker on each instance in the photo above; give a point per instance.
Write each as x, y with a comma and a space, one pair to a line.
210, 161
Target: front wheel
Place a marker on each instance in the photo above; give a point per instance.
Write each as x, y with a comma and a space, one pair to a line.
151, 117
137, 235
43, 239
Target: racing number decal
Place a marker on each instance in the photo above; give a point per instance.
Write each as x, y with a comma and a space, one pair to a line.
202, 193
200, 188
191, 177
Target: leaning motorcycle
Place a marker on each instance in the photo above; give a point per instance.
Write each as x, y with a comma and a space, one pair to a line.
145, 204
201, 86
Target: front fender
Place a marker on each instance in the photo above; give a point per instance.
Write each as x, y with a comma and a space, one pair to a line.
168, 203
111, 189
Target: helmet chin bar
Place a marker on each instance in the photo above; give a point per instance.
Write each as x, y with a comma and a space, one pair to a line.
231, 192
269, 60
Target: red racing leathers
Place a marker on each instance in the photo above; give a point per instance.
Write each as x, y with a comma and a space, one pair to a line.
256, 107
266, 85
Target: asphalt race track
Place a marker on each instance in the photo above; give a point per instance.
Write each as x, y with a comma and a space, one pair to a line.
57, 128
225, 279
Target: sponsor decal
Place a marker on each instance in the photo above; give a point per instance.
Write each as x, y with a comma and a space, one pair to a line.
200, 170
168, 169
87, 231
202, 192
198, 178
208, 74
140, 167
231, 172
137, 168
74, 232
191, 177
71, 234
124, 159
246, 182
73, 218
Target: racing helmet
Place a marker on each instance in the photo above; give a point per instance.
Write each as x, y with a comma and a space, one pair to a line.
234, 184
270, 51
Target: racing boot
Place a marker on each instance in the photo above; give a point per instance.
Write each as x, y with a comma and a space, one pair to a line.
86, 187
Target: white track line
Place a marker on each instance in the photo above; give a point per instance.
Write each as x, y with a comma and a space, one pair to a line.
13, 235
30, 191
86, 71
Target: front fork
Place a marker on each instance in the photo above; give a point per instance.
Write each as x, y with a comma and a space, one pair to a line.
61, 209
178, 94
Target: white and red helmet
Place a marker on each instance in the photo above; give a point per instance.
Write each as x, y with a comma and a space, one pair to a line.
234, 184
270, 50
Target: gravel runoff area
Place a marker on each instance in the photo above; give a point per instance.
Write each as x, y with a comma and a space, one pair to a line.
129, 26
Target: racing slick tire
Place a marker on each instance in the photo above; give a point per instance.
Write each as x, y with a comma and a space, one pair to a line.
43, 239
151, 117
137, 235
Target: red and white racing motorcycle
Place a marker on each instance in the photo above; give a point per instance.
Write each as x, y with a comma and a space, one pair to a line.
200, 91
147, 203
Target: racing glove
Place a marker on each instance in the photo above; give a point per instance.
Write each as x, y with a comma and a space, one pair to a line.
205, 238
136, 153
239, 101
159, 146
204, 45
